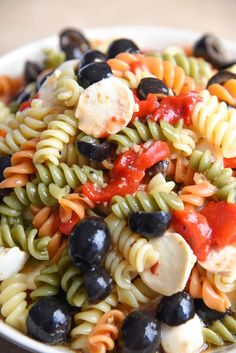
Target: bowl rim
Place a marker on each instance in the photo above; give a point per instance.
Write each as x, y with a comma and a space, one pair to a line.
7, 59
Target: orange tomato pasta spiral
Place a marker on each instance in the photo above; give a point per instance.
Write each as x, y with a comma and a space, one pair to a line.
21, 166
73, 203
102, 337
45, 220
225, 92
173, 76
200, 287
196, 194
9, 86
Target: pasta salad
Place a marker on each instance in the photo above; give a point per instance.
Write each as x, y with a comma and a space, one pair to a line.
118, 197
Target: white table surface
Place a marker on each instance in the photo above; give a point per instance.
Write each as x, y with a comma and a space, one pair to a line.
23, 21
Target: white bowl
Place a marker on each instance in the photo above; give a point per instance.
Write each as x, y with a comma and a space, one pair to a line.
146, 37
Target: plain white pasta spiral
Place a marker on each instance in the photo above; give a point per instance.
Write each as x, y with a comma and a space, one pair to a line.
13, 301
58, 134
135, 249
215, 122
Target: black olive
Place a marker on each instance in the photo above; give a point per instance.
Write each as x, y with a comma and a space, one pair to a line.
42, 78
89, 242
120, 46
176, 309
152, 85
93, 73
98, 284
73, 43
5, 161
26, 94
150, 224
209, 47
159, 167
221, 77
95, 151
206, 314
48, 321
92, 56
31, 71
140, 333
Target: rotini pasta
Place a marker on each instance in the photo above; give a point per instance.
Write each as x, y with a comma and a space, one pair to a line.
135, 249
224, 92
213, 121
88, 318
13, 301
25, 240
220, 332
47, 282
102, 337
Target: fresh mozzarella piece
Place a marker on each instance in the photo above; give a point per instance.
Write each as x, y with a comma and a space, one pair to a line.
186, 338
221, 260
69, 64
11, 261
105, 107
175, 264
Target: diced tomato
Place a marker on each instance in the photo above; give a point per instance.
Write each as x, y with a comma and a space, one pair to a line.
128, 172
67, 227
146, 107
136, 65
221, 217
24, 106
172, 108
230, 162
3, 133
194, 228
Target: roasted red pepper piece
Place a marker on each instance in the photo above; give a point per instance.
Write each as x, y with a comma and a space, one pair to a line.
195, 229
129, 170
172, 108
67, 227
221, 217
230, 162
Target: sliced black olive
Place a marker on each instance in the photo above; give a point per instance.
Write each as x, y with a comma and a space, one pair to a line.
95, 151
221, 77
210, 48
176, 309
92, 56
42, 78
120, 46
98, 284
159, 167
152, 85
89, 242
206, 314
26, 94
93, 73
5, 161
74, 43
150, 224
31, 71
140, 333
48, 321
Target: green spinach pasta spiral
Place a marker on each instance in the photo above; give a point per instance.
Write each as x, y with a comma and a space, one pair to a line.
53, 58
88, 318
158, 197
135, 249
216, 173
62, 175
72, 282
221, 331
25, 239
197, 68
47, 282
13, 301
